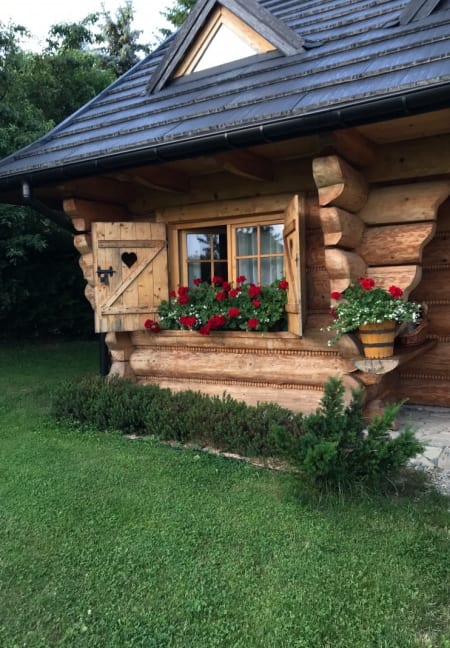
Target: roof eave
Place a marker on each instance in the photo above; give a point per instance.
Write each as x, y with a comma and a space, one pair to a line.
367, 111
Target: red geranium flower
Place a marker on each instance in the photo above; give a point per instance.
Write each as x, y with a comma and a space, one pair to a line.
226, 285
204, 330
336, 295
198, 281
367, 283
217, 280
256, 303
234, 292
183, 299
254, 291
172, 294
252, 323
152, 326
221, 295
216, 321
283, 285
234, 312
395, 292
187, 320
241, 279
183, 290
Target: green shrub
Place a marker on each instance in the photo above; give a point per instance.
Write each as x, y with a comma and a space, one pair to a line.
334, 445
338, 447
115, 404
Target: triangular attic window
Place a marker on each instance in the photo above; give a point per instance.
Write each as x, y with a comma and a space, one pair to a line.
224, 38
221, 31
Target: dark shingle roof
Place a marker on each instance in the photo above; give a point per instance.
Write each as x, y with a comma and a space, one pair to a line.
359, 64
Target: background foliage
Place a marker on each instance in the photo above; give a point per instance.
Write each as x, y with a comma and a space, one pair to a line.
42, 286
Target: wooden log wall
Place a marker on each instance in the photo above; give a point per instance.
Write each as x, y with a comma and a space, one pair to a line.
373, 231
426, 379
276, 367
353, 229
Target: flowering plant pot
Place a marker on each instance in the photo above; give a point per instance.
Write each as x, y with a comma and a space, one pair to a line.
365, 304
219, 306
378, 338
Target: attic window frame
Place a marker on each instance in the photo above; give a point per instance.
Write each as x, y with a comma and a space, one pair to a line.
221, 16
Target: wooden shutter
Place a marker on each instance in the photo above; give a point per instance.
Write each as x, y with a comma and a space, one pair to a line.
294, 266
130, 266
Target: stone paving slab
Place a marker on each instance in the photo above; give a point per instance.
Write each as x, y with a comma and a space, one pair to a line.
431, 426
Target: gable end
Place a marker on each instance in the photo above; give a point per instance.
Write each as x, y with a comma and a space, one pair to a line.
250, 12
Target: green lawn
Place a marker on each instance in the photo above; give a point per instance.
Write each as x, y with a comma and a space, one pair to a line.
107, 542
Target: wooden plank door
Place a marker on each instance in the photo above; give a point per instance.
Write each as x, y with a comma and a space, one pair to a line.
294, 263
130, 265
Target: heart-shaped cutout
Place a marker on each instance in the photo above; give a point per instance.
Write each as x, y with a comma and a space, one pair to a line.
129, 258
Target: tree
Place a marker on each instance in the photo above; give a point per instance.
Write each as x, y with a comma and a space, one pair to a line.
33, 98
37, 91
178, 13
121, 42
20, 122
73, 36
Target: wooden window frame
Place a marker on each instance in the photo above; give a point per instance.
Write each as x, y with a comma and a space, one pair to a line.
287, 209
177, 242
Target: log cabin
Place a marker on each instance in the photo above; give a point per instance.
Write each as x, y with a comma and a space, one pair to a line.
326, 120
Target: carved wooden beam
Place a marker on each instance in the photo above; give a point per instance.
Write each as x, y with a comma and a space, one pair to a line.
404, 203
121, 349
266, 369
343, 268
418, 158
87, 267
160, 178
340, 228
89, 293
98, 188
395, 244
312, 211
381, 366
352, 146
406, 277
83, 243
339, 184
246, 164
85, 212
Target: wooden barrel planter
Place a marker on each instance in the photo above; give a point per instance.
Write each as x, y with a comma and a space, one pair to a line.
378, 339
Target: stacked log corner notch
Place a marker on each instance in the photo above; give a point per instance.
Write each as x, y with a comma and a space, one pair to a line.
379, 232
83, 213
426, 379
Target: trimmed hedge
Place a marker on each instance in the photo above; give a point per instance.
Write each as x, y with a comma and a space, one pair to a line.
116, 404
334, 445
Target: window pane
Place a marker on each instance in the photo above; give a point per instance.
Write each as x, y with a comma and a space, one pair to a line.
199, 271
220, 244
246, 241
226, 46
271, 270
248, 268
198, 246
221, 270
271, 239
